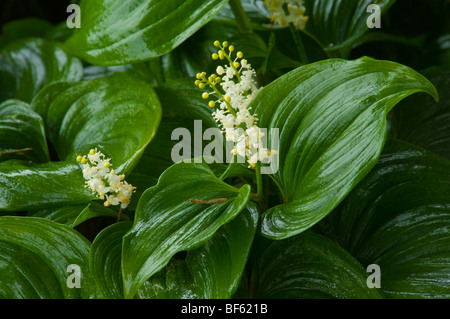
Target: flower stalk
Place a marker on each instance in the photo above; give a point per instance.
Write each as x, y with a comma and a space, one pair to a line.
297, 39
234, 86
290, 13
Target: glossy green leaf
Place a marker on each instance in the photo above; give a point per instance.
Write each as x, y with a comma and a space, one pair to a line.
140, 70
212, 271
194, 55
26, 185
182, 104
175, 281
167, 222
59, 32
34, 257
398, 217
338, 24
255, 10
120, 32
19, 277
73, 216
332, 25
94, 210
423, 122
331, 117
22, 134
28, 65
64, 215
256, 51
107, 113
23, 28
41, 102
118, 114
105, 260
308, 266
34, 28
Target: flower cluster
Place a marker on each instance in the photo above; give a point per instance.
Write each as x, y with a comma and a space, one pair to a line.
103, 181
234, 87
287, 11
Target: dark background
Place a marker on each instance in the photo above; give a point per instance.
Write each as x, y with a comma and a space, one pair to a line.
412, 17
51, 10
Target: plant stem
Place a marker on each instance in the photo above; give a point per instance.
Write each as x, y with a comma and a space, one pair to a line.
240, 16
297, 39
299, 44
229, 107
231, 63
119, 215
23, 150
259, 182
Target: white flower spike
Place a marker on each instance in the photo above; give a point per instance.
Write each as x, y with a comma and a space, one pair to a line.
235, 86
284, 12
103, 181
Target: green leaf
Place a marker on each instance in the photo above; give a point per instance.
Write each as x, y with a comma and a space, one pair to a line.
141, 70
23, 28
331, 117
308, 266
121, 32
443, 44
175, 281
59, 32
167, 222
421, 121
44, 98
182, 104
109, 113
25, 185
22, 134
28, 65
95, 210
105, 260
106, 113
212, 271
338, 24
256, 52
34, 256
73, 216
398, 218
64, 215
19, 278
377, 36
34, 28
254, 9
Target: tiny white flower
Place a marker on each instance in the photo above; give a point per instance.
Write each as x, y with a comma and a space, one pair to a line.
220, 70
113, 200
232, 134
230, 73
228, 121
252, 160
102, 180
296, 13
241, 147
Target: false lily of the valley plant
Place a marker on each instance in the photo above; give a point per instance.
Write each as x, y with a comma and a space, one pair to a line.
100, 197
